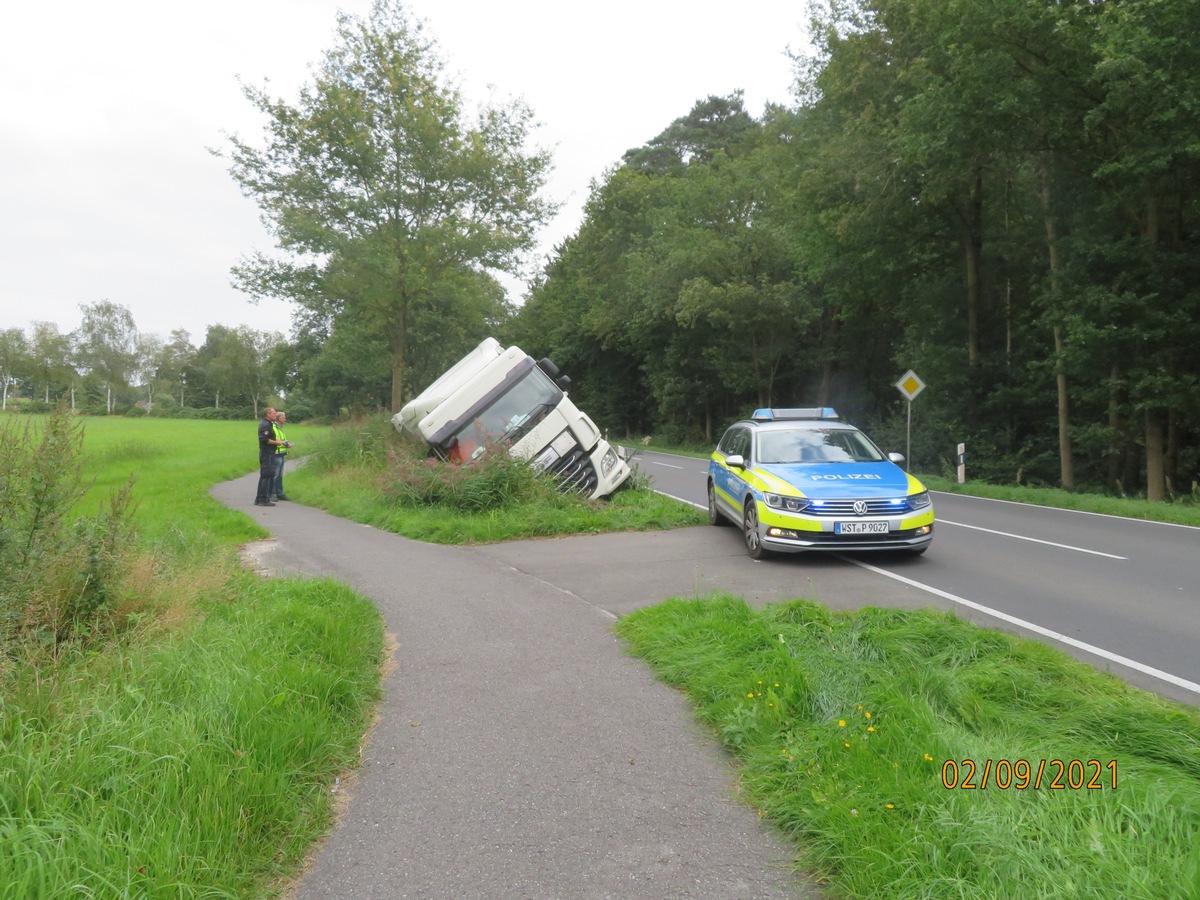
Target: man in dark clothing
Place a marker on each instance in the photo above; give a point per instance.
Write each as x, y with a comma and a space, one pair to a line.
267, 442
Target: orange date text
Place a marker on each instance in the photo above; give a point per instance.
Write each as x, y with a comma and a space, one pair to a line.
1023, 774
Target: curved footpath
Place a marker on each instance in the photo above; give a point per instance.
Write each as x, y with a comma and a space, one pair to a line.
519, 752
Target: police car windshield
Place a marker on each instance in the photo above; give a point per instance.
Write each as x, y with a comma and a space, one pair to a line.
815, 445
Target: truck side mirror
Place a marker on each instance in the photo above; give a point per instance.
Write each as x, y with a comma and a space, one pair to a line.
564, 382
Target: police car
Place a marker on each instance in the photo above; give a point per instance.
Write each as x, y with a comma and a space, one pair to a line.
801, 479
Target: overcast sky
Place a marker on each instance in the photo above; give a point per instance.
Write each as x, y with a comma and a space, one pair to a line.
108, 191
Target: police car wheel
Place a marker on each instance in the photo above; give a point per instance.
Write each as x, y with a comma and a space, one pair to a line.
714, 514
750, 531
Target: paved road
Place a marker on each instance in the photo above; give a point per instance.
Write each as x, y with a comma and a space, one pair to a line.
1122, 594
519, 753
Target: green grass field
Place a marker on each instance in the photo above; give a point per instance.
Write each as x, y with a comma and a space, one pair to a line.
189, 753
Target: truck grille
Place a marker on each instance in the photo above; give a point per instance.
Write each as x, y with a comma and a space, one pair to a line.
575, 473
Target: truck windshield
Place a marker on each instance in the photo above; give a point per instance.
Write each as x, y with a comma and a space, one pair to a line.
508, 417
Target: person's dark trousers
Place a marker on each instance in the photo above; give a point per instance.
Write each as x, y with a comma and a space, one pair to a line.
277, 476
266, 474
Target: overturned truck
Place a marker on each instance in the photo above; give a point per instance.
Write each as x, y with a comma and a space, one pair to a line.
500, 397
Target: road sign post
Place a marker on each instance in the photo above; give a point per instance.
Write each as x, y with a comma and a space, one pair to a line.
910, 384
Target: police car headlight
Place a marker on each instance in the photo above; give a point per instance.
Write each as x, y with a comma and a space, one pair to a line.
610, 460
919, 501
787, 504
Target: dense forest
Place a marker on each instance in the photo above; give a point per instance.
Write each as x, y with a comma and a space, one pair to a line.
1001, 196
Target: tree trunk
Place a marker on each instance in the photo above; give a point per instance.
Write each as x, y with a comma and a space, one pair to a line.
398, 341
1155, 484
1116, 447
1066, 465
397, 380
972, 247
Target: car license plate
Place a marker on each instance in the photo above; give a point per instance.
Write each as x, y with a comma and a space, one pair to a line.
860, 528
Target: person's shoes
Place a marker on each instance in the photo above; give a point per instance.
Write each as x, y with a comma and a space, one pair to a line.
283, 497
263, 503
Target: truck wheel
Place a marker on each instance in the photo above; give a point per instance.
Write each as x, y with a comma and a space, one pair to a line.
750, 531
714, 514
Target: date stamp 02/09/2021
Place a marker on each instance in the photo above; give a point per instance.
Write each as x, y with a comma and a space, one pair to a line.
1023, 774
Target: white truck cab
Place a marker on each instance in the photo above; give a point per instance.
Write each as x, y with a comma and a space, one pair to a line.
497, 395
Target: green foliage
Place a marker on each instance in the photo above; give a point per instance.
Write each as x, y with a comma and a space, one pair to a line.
196, 751
200, 764
377, 171
369, 473
968, 190
62, 573
848, 726
493, 482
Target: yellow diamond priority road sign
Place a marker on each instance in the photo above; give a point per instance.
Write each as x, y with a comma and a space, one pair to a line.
910, 385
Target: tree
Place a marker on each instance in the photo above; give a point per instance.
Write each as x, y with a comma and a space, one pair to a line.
234, 363
50, 354
385, 199
149, 357
107, 345
14, 359
176, 359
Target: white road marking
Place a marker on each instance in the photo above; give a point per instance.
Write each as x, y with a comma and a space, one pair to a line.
1022, 537
1036, 629
681, 500
1080, 512
668, 465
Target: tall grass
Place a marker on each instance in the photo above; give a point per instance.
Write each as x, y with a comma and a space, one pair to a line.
196, 765
369, 473
192, 751
855, 732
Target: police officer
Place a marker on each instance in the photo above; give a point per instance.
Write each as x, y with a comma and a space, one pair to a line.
267, 442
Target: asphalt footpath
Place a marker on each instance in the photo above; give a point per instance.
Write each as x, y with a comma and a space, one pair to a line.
519, 752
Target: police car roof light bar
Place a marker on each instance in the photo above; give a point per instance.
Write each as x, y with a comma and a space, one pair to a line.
814, 412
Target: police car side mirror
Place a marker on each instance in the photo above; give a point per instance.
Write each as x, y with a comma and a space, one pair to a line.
737, 461
897, 458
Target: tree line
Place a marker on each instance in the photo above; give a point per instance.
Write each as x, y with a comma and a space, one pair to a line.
107, 366
1000, 196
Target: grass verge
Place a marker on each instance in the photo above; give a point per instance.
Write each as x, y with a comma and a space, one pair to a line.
1183, 512
370, 474
189, 750
865, 737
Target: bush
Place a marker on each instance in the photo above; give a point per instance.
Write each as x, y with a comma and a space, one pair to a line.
60, 575
299, 413
494, 481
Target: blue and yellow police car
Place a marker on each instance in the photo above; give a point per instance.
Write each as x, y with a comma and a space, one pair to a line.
802, 479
